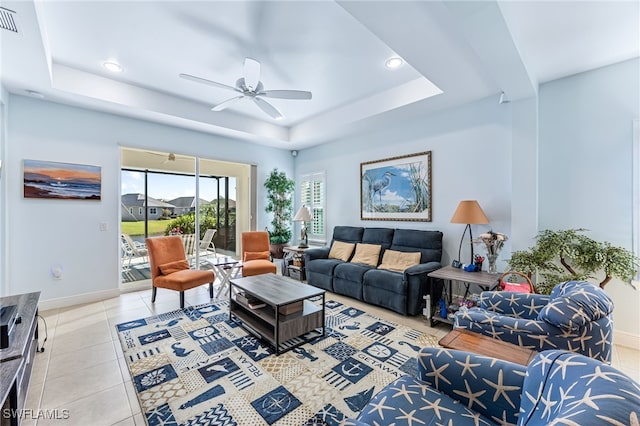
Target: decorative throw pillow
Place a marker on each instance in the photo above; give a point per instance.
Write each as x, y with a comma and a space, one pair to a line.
255, 255
367, 254
341, 250
175, 266
398, 261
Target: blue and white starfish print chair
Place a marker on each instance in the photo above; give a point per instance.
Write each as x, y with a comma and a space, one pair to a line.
460, 388
577, 316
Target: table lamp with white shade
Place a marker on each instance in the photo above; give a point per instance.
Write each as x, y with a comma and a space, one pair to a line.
304, 216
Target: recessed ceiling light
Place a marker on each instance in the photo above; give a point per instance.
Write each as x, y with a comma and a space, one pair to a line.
393, 63
34, 93
112, 66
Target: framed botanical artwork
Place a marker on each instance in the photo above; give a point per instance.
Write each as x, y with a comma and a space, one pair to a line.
47, 179
397, 188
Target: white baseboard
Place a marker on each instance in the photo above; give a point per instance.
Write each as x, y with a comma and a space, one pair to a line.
623, 338
63, 302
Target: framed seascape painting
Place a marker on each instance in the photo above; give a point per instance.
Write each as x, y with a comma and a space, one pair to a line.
46, 179
397, 188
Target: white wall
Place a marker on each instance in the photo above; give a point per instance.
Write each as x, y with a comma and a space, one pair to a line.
586, 164
524, 171
44, 233
471, 159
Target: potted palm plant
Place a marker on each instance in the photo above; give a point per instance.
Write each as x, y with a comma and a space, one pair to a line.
279, 202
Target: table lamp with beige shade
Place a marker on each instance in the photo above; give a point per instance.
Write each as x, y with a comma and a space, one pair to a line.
470, 213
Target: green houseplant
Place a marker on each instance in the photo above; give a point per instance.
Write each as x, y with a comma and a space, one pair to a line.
570, 255
279, 202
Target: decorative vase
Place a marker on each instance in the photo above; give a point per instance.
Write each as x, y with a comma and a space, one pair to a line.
492, 263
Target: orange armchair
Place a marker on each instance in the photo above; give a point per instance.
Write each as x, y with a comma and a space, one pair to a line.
170, 268
255, 254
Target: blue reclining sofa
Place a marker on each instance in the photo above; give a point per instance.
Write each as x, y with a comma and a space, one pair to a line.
401, 292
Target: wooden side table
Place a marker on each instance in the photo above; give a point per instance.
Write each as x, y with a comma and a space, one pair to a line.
296, 269
469, 341
484, 280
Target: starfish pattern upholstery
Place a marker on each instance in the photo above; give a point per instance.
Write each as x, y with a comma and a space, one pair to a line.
577, 316
460, 388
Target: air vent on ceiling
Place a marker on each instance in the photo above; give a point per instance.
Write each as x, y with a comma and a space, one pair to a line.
8, 20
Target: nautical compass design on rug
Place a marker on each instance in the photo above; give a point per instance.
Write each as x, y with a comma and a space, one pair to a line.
382, 352
275, 404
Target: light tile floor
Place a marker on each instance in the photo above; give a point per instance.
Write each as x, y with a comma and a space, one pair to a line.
82, 369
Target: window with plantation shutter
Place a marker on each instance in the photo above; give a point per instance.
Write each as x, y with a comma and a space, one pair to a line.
312, 195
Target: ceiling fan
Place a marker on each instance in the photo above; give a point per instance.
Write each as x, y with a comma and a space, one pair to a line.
250, 86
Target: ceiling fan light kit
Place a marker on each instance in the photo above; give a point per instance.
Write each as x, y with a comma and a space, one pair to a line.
250, 86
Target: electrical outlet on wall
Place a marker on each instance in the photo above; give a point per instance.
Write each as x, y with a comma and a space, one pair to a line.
57, 272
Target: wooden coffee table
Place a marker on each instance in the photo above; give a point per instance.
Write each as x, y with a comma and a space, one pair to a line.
280, 295
469, 341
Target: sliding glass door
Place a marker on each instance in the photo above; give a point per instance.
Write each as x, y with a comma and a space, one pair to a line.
158, 197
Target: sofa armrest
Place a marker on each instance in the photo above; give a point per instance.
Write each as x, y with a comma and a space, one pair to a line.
418, 285
487, 385
507, 302
316, 253
423, 268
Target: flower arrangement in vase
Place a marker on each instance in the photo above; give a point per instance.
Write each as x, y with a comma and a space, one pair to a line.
493, 242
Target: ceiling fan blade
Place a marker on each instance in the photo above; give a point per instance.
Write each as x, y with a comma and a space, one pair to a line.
251, 73
286, 94
227, 103
209, 82
268, 108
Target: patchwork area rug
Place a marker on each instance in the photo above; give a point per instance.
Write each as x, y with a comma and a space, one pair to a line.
196, 367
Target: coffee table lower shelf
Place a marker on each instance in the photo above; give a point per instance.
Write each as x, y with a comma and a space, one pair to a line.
469, 341
280, 329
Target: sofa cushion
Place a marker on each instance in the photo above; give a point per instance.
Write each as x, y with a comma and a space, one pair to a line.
254, 255
323, 266
428, 243
349, 234
367, 254
398, 261
175, 266
388, 280
347, 279
341, 250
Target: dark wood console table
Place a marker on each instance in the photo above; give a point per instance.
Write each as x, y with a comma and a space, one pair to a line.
16, 361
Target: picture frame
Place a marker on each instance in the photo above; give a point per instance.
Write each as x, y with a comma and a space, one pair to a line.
63, 181
397, 188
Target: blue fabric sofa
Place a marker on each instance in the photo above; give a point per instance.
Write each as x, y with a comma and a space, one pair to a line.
460, 388
577, 316
400, 292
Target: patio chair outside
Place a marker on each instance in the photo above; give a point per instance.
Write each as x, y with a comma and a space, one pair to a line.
132, 249
190, 243
206, 244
